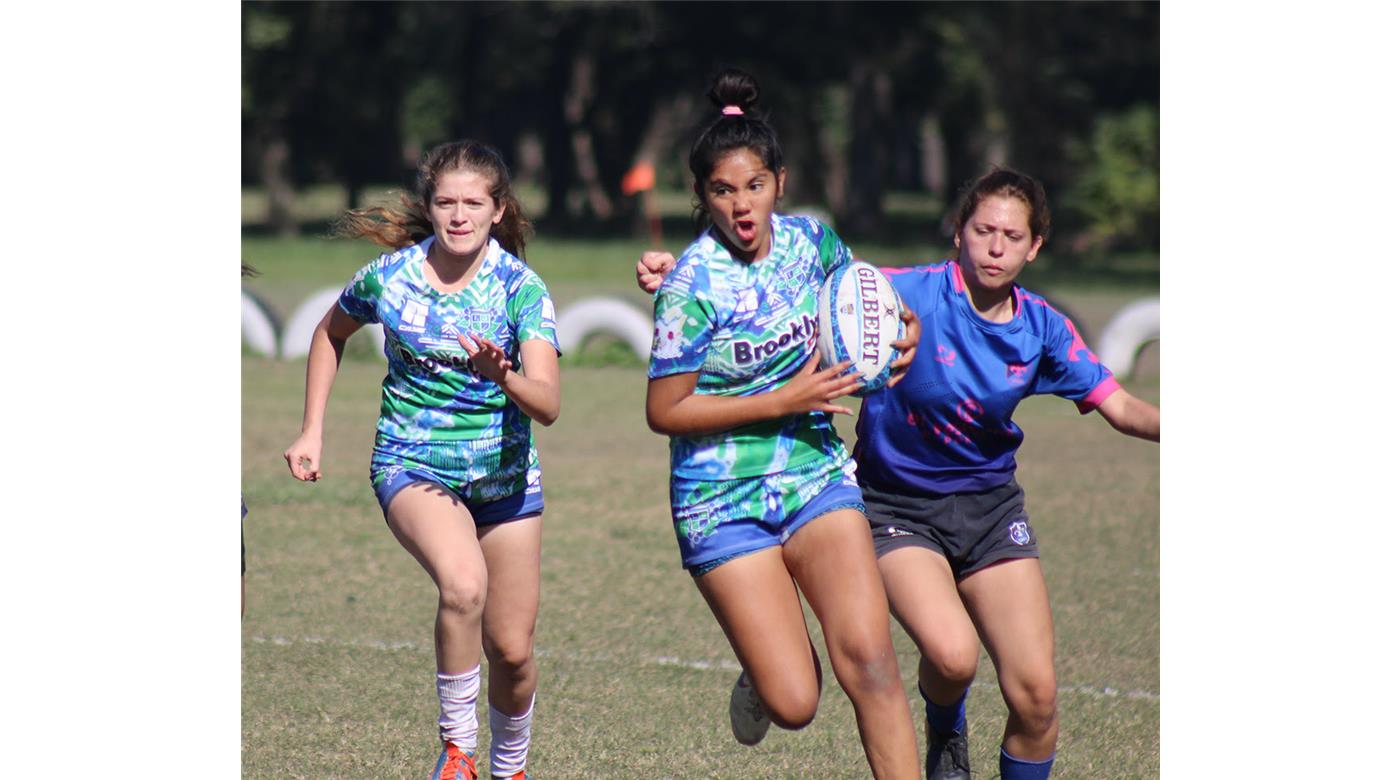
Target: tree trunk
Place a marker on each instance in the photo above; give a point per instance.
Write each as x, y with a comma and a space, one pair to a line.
281, 195
833, 142
871, 116
576, 103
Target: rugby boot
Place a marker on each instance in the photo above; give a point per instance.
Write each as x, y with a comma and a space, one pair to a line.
947, 757
454, 764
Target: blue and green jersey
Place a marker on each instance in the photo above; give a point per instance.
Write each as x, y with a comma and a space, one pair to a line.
432, 392
746, 328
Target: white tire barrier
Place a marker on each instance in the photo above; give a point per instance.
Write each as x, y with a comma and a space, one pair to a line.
259, 326
1132, 328
584, 318
296, 339
609, 316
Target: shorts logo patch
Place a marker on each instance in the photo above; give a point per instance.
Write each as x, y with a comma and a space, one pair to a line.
1020, 532
894, 530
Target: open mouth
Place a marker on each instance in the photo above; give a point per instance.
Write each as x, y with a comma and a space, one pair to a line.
746, 230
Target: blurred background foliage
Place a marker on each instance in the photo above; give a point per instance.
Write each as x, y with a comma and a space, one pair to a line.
884, 109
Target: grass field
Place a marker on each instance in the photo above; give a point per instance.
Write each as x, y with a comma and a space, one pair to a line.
634, 673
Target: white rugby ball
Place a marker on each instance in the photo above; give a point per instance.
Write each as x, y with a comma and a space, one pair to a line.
857, 318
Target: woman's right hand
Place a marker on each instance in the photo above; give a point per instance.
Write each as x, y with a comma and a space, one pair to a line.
652, 268
811, 390
304, 457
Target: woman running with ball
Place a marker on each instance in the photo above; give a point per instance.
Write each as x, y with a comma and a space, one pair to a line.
936, 463
763, 494
473, 358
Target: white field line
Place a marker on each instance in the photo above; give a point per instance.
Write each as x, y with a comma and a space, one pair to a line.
725, 665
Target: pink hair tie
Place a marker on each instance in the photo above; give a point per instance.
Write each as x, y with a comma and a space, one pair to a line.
732, 111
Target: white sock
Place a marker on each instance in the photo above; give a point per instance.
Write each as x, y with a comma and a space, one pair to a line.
510, 740
457, 697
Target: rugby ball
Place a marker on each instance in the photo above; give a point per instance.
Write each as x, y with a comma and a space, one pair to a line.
857, 318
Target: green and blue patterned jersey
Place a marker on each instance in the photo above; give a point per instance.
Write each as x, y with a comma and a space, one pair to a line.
746, 328
432, 391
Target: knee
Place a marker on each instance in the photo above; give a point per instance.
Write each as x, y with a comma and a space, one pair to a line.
513, 653
792, 709
868, 666
463, 596
1032, 702
953, 662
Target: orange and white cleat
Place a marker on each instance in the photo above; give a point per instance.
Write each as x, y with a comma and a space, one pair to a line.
454, 764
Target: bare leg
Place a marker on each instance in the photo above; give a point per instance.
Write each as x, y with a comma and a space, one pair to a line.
833, 560
1009, 604
924, 599
512, 554
438, 531
756, 604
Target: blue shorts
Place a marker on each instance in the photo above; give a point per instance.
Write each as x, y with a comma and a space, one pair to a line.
472, 472
719, 520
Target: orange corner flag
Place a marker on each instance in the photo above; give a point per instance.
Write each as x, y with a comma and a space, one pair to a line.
642, 177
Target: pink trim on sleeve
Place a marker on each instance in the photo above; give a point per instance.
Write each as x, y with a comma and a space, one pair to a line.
1107, 387
890, 270
1077, 345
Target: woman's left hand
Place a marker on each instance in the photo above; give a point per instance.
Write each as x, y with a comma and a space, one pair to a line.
906, 346
489, 359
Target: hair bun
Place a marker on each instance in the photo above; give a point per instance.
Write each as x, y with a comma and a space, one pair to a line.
734, 87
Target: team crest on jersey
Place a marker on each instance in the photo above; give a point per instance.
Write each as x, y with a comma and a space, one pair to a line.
413, 316
1020, 532
1016, 374
946, 355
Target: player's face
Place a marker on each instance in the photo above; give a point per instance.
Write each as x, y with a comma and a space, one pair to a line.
740, 194
462, 212
996, 242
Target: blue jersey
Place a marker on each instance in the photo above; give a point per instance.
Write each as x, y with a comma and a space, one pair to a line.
946, 427
745, 329
432, 391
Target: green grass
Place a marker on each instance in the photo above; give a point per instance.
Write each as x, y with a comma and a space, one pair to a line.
292, 269
337, 640
575, 267
338, 662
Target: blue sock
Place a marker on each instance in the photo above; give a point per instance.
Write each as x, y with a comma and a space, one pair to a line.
1013, 768
946, 719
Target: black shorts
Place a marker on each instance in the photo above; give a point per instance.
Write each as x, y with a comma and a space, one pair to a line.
971, 530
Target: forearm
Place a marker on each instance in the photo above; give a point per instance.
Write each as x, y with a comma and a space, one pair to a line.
700, 415
1138, 418
322, 363
536, 398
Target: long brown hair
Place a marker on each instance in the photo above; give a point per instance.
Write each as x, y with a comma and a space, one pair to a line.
408, 224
